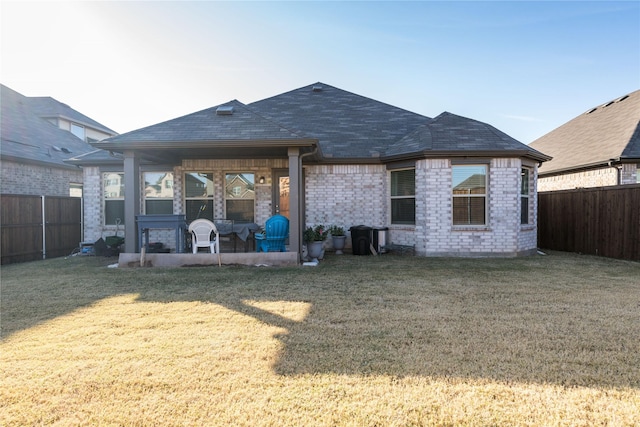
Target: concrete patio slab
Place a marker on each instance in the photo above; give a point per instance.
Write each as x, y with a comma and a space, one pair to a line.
276, 259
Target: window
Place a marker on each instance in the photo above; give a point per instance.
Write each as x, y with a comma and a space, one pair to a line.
158, 193
239, 196
469, 195
75, 190
198, 195
113, 188
78, 131
638, 174
524, 196
403, 196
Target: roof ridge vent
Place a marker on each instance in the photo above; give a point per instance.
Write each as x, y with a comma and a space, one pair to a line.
224, 110
622, 98
317, 88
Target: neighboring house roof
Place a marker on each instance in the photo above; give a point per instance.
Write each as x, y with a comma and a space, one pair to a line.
608, 132
344, 126
47, 107
474, 182
26, 137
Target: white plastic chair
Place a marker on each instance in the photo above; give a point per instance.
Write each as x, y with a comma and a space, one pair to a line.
201, 230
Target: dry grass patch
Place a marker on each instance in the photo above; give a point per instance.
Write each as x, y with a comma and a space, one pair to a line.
394, 341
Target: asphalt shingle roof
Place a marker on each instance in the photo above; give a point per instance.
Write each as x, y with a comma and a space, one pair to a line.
27, 137
346, 126
450, 133
45, 106
242, 125
609, 131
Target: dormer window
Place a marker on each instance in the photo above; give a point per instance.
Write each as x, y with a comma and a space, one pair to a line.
78, 130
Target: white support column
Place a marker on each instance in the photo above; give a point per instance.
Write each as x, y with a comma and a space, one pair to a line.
131, 200
295, 224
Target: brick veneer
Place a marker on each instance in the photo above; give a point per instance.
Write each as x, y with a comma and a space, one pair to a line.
349, 195
358, 194
601, 177
35, 180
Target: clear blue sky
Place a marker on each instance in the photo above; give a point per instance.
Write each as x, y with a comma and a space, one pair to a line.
524, 67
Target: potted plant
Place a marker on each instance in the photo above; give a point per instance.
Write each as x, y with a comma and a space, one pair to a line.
314, 236
338, 238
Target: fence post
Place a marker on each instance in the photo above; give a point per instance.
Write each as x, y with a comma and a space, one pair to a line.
81, 220
44, 229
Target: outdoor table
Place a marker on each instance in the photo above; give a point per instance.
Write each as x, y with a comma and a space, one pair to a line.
242, 230
174, 222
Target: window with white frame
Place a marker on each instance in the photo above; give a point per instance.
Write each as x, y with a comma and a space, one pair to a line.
198, 195
240, 196
158, 193
524, 196
75, 190
403, 196
113, 193
469, 194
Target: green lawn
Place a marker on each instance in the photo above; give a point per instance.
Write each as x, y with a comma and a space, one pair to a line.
358, 341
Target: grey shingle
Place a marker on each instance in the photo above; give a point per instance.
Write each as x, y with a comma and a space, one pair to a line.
348, 127
28, 137
202, 126
45, 106
450, 133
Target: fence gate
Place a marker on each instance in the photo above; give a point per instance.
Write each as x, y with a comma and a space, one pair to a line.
37, 227
601, 221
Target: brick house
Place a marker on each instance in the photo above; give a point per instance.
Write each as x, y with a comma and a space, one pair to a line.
322, 155
600, 147
38, 135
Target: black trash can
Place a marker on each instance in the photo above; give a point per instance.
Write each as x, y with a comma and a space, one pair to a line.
360, 239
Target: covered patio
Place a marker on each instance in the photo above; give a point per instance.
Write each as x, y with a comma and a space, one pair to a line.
229, 134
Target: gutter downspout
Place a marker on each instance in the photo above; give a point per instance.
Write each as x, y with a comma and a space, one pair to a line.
618, 169
301, 199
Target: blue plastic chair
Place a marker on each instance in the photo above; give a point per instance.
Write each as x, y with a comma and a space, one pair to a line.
276, 232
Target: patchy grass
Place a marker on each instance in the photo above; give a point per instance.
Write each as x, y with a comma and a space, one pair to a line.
357, 341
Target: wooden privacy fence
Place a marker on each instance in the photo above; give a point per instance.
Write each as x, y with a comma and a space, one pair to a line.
601, 221
38, 227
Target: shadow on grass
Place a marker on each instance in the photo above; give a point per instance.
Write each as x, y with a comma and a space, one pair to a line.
562, 320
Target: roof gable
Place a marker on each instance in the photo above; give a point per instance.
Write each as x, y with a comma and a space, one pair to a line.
609, 131
347, 125
450, 133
